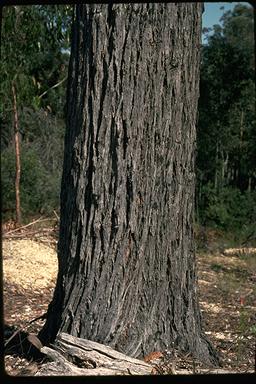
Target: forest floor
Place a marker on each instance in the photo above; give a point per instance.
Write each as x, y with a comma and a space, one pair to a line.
227, 293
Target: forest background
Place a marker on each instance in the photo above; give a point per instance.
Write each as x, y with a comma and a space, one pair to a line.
34, 65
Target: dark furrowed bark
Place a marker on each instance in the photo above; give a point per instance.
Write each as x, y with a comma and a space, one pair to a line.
126, 255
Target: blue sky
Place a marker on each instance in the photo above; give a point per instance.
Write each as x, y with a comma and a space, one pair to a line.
212, 12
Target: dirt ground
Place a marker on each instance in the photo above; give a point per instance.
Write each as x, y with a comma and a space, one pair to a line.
227, 293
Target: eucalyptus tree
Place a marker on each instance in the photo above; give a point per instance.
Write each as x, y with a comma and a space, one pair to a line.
127, 274
226, 126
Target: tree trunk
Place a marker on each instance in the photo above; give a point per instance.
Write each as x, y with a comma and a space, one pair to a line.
17, 155
126, 250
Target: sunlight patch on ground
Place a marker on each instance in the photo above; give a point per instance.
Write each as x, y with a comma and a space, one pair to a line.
221, 335
204, 282
240, 251
210, 276
28, 264
215, 308
228, 261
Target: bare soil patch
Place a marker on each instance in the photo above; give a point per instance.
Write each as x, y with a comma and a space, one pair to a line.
226, 289
29, 276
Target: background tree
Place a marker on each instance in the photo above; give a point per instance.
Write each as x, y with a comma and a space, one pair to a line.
226, 163
33, 64
126, 255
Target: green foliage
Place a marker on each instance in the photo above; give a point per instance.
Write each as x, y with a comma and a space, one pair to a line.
32, 180
8, 180
217, 267
245, 326
32, 174
39, 188
226, 157
34, 56
230, 209
41, 164
252, 330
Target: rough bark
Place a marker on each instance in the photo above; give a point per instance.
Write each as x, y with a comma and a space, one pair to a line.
127, 273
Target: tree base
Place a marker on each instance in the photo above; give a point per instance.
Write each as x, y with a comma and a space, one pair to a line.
73, 356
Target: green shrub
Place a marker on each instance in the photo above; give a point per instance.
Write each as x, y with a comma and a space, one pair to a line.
8, 181
42, 142
228, 209
39, 188
32, 181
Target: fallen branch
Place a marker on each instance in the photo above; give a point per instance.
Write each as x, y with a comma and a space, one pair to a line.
28, 225
74, 356
24, 226
42, 317
35, 233
11, 337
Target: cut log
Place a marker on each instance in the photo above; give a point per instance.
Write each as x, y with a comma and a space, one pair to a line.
72, 356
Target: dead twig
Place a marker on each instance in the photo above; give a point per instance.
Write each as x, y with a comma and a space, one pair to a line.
42, 231
24, 226
58, 218
31, 337
42, 317
28, 225
12, 336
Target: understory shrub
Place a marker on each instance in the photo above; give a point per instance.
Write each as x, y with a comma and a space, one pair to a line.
228, 208
39, 187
